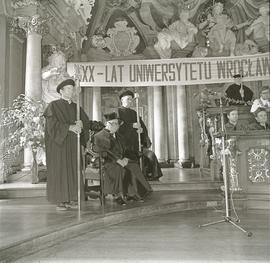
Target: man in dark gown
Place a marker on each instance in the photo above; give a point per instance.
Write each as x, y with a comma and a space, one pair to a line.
128, 130
61, 146
240, 94
118, 167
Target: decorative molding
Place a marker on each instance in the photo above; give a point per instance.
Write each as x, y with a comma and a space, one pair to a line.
35, 24
16, 4
259, 165
14, 28
122, 40
82, 8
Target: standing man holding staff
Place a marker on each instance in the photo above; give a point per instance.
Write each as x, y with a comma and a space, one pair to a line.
130, 129
61, 131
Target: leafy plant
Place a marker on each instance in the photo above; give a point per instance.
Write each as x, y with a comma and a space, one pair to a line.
23, 124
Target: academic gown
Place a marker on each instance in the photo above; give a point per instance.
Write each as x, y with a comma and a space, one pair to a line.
233, 92
129, 116
61, 150
117, 179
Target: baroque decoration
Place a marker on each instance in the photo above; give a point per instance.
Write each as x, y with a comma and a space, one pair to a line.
35, 24
259, 165
122, 40
82, 8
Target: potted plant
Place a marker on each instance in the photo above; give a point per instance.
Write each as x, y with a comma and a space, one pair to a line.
24, 127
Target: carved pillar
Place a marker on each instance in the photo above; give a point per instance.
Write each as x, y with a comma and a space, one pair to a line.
183, 150
97, 116
34, 27
159, 141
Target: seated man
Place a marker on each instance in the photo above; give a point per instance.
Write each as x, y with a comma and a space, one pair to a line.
232, 124
263, 101
129, 130
117, 165
261, 120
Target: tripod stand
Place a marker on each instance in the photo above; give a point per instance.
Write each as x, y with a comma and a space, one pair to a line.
227, 217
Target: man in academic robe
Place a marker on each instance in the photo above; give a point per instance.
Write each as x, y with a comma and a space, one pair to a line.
129, 130
261, 120
238, 93
117, 165
61, 131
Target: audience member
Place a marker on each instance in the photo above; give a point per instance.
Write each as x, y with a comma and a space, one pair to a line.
263, 101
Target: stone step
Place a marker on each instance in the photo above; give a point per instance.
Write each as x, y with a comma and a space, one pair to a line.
88, 222
186, 186
22, 190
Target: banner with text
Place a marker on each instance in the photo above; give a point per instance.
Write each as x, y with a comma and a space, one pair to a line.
178, 71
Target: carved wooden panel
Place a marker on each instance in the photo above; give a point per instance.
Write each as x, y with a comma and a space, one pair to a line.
258, 165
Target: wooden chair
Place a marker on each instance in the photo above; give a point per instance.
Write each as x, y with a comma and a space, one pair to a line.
93, 172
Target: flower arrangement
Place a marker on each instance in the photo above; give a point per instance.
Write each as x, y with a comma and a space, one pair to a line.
24, 125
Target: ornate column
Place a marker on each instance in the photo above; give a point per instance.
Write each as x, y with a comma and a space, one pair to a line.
182, 128
97, 116
34, 27
159, 141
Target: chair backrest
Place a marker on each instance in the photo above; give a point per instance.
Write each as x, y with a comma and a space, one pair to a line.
92, 157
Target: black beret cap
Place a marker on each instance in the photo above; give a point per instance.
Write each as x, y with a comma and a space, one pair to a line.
237, 76
65, 83
126, 93
111, 116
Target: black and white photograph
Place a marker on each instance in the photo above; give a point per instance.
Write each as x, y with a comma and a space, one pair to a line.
134, 131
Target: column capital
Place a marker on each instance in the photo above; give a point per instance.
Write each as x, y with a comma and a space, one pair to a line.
33, 24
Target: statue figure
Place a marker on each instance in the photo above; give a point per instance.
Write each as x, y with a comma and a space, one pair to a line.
200, 52
181, 31
220, 29
96, 51
260, 26
53, 74
247, 48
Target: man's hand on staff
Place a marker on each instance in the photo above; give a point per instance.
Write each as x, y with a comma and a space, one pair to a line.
76, 128
137, 126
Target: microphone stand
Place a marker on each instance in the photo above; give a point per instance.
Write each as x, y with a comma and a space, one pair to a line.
227, 217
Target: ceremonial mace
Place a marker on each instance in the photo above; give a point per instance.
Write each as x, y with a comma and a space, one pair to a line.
227, 217
77, 82
136, 97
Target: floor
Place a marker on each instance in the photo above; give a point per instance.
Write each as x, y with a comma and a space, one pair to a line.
173, 237
27, 217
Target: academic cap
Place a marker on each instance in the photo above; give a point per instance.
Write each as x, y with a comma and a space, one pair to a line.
237, 76
126, 93
64, 83
111, 116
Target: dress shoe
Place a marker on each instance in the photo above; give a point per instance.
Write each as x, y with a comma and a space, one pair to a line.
138, 198
61, 207
120, 201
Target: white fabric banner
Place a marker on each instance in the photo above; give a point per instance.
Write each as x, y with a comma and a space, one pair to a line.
178, 71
